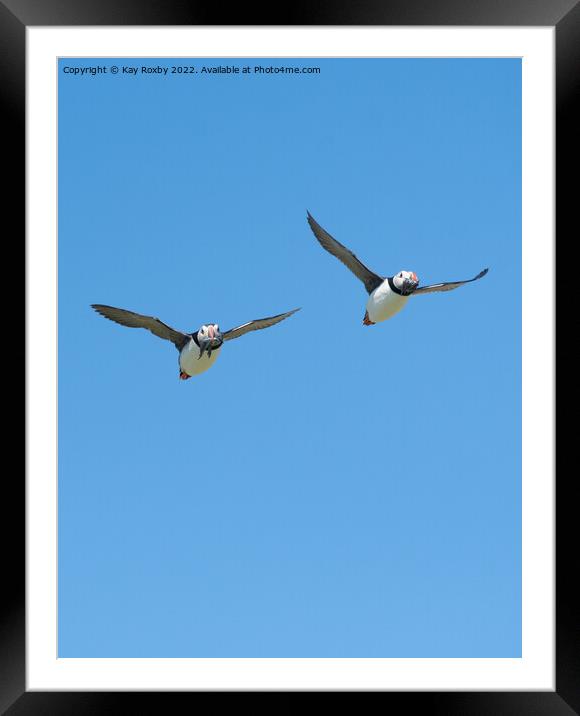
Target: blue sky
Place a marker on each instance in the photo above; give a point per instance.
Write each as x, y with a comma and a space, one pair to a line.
326, 489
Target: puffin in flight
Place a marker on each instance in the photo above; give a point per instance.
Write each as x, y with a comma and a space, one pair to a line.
388, 294
198, 351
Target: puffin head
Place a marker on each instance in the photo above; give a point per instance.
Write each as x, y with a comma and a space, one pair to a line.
209, 338
406, 282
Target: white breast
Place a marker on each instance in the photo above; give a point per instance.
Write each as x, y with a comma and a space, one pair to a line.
191, 363
384, 303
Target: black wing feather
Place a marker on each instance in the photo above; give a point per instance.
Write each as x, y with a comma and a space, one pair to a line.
449, 285
370, 279
137, 320
256, 325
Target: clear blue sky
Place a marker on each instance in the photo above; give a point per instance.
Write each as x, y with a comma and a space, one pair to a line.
326, 489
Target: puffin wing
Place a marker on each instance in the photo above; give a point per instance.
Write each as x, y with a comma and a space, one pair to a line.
370, 279
448, 286
256, 325
136, 320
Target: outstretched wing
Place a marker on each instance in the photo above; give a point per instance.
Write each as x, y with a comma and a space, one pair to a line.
370, 279
136, 320
256, 325
448, 286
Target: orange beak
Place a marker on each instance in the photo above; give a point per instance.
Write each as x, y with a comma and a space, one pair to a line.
211, 332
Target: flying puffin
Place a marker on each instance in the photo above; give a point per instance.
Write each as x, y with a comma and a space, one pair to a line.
388, 294
191, 346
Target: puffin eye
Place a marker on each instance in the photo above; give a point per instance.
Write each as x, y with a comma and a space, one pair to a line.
401, 275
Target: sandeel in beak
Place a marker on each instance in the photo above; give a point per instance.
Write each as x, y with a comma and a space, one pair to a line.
207, 345
409, 286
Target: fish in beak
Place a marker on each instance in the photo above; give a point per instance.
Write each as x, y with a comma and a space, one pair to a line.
207, 345
410, 284
204, 345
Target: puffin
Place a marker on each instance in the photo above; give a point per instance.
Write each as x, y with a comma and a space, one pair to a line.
387, 294
199, 350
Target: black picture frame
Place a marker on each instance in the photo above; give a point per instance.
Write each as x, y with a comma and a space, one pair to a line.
15, 16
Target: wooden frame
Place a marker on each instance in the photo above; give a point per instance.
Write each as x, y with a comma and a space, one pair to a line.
15, 16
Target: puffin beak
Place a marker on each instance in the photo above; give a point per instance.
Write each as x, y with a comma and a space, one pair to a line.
207, 345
